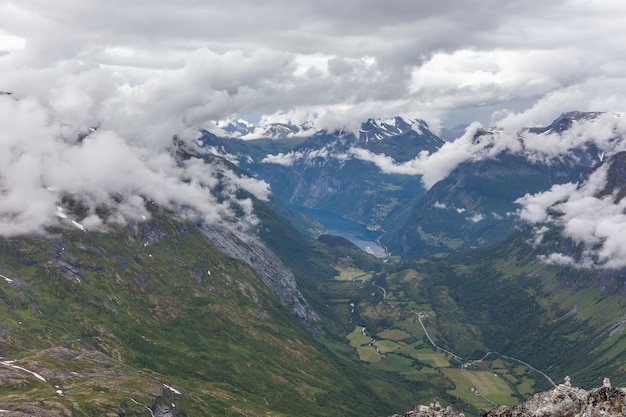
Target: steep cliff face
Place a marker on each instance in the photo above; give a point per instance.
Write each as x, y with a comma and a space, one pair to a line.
272, 271
563, 401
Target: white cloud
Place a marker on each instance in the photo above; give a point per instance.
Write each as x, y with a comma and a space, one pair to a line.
476, 218
597, 224
365, 59
43, 162
287, 159
9, 42
494, 75
534, 205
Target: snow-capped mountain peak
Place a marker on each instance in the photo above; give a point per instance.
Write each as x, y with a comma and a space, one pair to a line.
564, 122
240, 128
379, 129
371, 130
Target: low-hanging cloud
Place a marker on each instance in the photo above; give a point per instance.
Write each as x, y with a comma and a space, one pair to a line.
44, 162
597, 224
605, 131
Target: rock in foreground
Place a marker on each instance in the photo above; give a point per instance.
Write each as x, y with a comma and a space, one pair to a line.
562, 401
433, 410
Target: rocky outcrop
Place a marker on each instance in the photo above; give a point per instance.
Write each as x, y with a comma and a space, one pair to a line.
433, 410
162, 410
562, 401
565, 401
243, 245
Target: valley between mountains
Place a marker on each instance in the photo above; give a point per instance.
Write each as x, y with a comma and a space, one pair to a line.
501, 272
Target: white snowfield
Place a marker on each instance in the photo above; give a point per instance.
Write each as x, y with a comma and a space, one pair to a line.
10, 365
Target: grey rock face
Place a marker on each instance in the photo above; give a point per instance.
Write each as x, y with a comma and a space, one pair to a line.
433, 410
246, 247
562, 401
162, 410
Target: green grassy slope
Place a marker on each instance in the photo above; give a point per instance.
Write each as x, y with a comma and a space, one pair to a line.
113, 320
497, 309
564, 321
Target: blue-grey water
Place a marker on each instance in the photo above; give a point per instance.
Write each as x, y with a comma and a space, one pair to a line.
356, 233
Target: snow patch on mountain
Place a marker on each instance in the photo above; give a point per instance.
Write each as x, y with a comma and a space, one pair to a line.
381, 129
605, 131
243, 129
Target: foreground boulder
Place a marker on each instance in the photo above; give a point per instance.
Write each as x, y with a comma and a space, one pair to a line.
433, 410
562, 401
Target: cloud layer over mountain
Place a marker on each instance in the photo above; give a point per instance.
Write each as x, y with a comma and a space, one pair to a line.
45, 163
606, 132
596, 223
144, 71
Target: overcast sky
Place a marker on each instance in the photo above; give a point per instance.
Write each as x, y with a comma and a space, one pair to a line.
342, 61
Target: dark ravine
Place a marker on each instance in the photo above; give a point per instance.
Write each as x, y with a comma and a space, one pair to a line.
563, 401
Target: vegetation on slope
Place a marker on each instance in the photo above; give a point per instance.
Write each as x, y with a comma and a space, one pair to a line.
152, 314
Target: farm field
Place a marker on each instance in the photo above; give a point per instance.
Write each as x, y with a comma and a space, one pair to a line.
352, 273
491, 386
364, 345
435, 359
393, 324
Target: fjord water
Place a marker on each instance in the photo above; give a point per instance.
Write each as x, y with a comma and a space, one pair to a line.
355, 232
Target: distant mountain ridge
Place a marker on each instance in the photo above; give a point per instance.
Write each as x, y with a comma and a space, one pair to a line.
319, 170
476, 203
240, 128
378, 177
370, 130
564, 122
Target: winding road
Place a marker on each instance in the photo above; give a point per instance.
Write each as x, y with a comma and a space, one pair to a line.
421, 316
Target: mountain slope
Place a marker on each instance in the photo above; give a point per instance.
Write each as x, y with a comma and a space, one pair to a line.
182, 317
475, 204
552, 295
112, 320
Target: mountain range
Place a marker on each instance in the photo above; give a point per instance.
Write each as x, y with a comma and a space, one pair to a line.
503, 272
320, 170
381, 175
